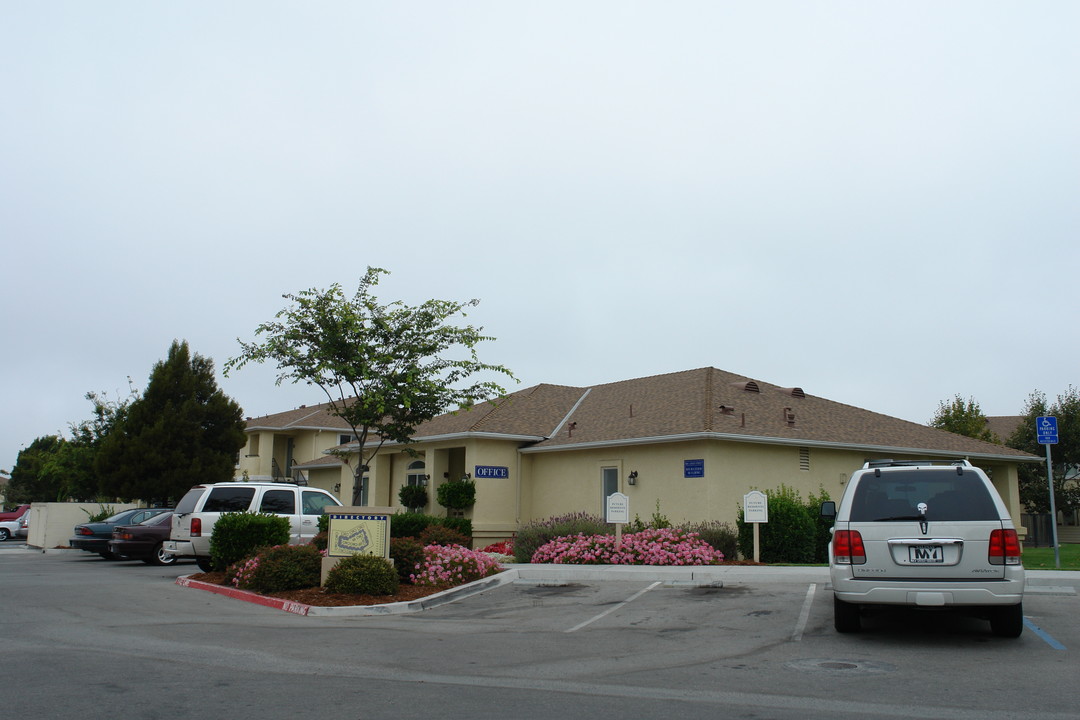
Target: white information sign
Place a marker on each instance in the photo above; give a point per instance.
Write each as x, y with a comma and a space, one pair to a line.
618, 508
756, 507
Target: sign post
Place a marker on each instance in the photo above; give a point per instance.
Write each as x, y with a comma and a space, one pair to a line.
756, 511
618, 512
1046, 429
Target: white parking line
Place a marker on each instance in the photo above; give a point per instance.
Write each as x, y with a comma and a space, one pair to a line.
613, 608
805, 614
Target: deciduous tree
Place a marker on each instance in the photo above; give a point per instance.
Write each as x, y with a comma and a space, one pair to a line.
963, 417
1065, 455
383, 368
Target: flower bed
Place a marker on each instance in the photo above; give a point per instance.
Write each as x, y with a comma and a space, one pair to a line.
648, 547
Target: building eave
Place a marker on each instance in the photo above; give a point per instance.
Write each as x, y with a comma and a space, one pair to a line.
762, 440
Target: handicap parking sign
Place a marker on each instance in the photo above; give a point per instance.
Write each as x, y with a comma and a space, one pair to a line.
1046, 430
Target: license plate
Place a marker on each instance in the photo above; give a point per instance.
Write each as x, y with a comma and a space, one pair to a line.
926, 554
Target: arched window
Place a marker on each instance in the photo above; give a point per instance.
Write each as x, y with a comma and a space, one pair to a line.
416, 475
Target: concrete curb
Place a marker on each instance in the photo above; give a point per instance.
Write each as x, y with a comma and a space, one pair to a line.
399, 608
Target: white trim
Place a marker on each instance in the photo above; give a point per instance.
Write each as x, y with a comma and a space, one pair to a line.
570, 414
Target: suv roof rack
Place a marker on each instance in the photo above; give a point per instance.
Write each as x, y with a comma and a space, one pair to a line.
912, 463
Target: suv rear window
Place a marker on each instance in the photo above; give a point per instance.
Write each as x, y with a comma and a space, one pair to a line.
895, 496
229, 499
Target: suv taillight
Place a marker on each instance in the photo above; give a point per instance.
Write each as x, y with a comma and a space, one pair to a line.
196, 527
848, 548
1004, 548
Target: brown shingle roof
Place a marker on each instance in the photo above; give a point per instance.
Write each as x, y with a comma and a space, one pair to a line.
307, 417
1004, 425
705, 402
689, 404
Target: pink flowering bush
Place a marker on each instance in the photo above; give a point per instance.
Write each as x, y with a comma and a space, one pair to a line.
666, 546
282, 567
453, 565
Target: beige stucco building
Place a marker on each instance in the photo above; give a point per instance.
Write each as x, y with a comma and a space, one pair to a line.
695, 442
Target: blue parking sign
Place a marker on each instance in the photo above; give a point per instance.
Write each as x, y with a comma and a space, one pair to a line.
1046, 430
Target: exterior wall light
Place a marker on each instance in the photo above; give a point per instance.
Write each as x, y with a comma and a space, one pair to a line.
632, 479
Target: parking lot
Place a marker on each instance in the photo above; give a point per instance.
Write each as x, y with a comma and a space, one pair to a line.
97, 634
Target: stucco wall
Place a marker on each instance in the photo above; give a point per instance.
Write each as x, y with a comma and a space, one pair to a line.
52, 524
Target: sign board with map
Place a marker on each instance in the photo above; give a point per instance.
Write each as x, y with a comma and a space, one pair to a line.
356, 531
359, 531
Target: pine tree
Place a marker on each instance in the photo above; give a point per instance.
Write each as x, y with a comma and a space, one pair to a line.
181, 432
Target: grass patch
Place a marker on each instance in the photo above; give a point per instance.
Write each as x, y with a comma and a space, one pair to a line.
1042, 558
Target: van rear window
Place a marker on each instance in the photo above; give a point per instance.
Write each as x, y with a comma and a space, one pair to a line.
897, 495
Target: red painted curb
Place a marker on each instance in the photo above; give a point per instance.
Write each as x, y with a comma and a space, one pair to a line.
245, 595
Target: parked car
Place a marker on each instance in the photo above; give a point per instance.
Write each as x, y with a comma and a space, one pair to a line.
14, 514
925, 535
11, 528
24, 525
95, 536
199, 509
143, 541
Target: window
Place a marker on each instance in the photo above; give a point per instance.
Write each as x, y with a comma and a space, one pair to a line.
360, 492
897, 495
345, 439
282, 502
315, 503
609, 485
416, 474
228, 499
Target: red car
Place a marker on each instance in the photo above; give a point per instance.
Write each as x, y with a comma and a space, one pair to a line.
143, 541
14, 514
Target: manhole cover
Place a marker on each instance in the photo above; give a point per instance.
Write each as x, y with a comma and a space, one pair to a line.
846, 667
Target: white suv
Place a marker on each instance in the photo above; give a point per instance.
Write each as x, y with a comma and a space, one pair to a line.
925, 535
194, 516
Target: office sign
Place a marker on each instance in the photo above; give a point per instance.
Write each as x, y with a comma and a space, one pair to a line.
491, 471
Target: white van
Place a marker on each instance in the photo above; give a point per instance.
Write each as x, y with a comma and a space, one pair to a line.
194, 516
925, 534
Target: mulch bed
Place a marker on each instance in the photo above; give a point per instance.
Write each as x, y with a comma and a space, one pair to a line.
318, 597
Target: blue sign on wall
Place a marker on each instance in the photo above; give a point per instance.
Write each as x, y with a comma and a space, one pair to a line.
492, 471
693, 468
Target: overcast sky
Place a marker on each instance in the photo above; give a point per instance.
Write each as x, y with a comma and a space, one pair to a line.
877, 202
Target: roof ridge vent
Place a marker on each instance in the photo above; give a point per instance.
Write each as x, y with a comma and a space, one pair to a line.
748, 386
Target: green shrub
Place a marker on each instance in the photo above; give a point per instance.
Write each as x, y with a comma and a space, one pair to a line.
822, 525
413, 497
462, 525
442, 535
238, 535
283, 567
406, 553
412, 524
659, 521
457, 494
362, 575
539, 532
321, 540
324, 522
720, 535
788, 537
